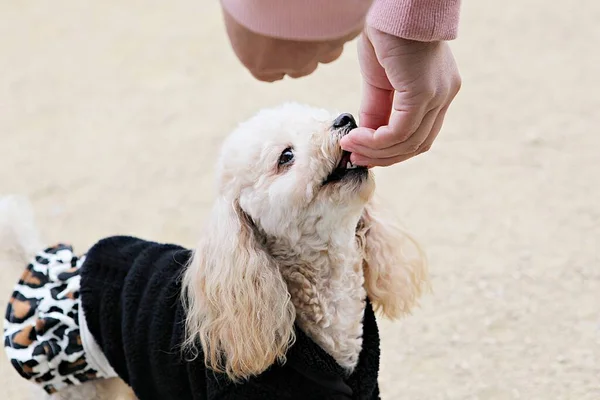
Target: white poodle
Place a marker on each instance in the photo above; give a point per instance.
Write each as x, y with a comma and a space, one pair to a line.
294, 247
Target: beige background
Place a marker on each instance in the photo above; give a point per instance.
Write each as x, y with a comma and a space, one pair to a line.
111, 114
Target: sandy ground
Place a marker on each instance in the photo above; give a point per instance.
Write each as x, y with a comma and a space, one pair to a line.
111, 114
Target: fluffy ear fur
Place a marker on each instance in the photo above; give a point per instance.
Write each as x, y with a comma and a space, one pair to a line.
394, 278
238, 305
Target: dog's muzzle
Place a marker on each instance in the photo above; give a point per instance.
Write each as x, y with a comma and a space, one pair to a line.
343, 124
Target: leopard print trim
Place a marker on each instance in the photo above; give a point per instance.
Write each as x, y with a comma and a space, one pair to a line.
42, 336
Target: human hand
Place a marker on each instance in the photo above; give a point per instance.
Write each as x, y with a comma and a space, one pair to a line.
270, 59
407, 89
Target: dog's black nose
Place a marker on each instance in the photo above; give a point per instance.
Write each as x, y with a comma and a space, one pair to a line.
344, 120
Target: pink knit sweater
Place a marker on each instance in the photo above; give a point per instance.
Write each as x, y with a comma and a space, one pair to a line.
423, 20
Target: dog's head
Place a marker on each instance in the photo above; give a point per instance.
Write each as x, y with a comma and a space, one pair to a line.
286, 171
282, 175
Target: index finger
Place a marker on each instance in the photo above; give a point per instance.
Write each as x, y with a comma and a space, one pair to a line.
402, 125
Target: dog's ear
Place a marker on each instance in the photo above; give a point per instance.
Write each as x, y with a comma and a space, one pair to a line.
238, 306
394, 264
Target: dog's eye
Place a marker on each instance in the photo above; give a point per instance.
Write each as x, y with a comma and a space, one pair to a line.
286, 157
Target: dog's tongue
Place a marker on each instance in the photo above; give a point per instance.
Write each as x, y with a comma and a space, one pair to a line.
342, 168
345, 162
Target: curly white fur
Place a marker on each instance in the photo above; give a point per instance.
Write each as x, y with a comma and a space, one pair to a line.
281, 247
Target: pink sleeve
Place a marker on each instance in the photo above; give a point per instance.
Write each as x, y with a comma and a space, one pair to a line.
299, 19
422, 20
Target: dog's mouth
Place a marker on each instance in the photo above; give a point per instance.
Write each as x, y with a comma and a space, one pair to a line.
344, 169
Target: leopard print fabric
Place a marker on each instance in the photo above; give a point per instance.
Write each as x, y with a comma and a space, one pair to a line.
41, 328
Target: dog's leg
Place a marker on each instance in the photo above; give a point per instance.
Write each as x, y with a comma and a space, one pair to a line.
19, 237
102, 389
114, 388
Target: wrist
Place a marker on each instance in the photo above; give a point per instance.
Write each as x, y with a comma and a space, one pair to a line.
397, 44
313, 20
